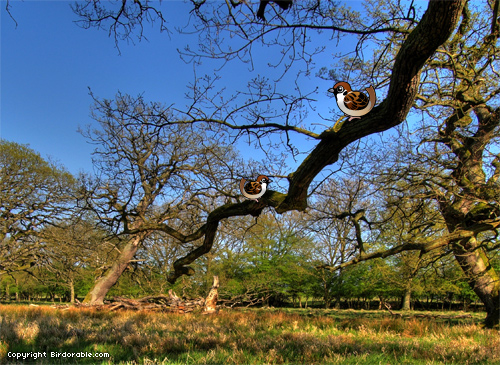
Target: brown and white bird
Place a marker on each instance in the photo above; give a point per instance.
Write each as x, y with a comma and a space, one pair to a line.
355, 104
254, 189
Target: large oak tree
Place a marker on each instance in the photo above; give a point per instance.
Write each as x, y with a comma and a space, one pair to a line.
405, 56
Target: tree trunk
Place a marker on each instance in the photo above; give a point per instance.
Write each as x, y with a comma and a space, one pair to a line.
337, 302
17, 290
481, 276
101, 287
72, 291
406, 302
326, 294
466, 304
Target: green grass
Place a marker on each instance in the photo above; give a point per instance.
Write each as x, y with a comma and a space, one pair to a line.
244, 337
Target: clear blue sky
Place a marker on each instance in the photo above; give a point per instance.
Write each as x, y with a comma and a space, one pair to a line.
48, 63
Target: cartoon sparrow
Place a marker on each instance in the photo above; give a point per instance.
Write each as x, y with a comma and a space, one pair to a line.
254, 189
353, 103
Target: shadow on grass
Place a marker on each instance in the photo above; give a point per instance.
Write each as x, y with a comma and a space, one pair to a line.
244, 336
455, 318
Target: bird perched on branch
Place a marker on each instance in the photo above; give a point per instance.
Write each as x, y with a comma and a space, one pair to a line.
254, 189
283, 4
354, 104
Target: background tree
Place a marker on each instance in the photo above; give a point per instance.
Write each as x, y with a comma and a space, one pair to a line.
72, 249
34, 194
337, 220
152, 177
270, 261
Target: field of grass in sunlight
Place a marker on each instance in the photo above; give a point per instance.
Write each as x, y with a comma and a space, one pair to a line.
241, 337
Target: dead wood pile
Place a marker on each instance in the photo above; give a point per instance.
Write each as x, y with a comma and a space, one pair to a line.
161, 303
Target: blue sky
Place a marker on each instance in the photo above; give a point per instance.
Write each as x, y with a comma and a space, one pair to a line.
48, 63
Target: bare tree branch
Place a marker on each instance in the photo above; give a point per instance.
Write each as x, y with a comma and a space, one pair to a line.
423, 247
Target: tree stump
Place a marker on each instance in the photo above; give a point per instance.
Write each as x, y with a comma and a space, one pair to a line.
211, 300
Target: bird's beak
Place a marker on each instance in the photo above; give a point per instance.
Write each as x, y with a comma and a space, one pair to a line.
331, 90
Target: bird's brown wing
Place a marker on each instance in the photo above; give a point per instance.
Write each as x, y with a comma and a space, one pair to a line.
356, 100
253, 188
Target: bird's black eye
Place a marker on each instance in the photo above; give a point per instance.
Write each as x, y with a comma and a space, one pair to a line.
340, 89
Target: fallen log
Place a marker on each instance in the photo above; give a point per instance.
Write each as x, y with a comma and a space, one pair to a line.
150, 303
388, 306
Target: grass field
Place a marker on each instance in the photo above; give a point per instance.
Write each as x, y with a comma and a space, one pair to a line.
241, 337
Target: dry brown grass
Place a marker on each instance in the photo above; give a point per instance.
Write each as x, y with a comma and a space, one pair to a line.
241, 337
